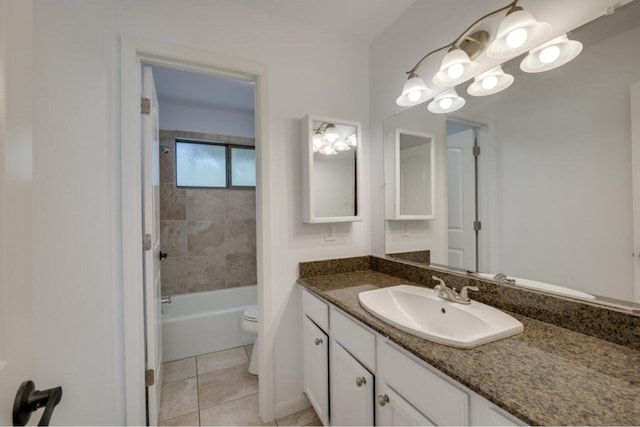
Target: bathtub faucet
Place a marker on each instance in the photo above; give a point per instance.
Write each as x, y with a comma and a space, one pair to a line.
165, 300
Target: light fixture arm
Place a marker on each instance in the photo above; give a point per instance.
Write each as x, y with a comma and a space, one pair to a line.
463, 36
323, 128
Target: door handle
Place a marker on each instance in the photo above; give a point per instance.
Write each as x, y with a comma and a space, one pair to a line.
28, 399
163, 255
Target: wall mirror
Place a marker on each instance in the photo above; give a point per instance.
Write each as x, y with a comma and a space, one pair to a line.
555, 171
330, 169
410, 175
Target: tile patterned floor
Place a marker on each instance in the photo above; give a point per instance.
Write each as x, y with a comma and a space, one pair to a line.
216, 389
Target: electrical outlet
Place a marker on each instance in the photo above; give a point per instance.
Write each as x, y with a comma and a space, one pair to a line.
328, 236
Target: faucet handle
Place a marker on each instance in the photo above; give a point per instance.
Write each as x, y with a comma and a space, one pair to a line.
440, 282
464, 295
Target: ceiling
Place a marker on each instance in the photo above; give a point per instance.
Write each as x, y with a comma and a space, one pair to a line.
361, 19
205, 90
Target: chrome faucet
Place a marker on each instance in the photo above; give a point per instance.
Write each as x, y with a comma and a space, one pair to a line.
450, 294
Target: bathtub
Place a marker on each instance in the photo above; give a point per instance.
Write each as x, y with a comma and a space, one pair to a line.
205, 322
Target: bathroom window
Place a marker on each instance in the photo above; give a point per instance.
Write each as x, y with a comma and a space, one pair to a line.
214, 165
243, 166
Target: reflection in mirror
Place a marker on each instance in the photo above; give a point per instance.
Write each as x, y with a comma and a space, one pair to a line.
410, 156
330, 164
555, 169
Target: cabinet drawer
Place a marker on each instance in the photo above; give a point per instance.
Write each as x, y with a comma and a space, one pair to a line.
357, 340
438, 399
317, 310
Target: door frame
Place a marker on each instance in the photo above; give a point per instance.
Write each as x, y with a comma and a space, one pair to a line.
133, 53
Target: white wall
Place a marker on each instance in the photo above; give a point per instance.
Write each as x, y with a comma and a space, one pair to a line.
175, 115
16, 179
76, 176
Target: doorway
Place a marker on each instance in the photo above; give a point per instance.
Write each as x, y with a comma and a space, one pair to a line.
462, 195
207, 225
135, 53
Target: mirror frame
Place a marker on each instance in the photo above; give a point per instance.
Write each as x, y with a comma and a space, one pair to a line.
308, 202
392, 205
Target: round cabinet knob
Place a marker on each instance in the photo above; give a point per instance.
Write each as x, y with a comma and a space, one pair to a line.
360, 381
383, 399
318, 341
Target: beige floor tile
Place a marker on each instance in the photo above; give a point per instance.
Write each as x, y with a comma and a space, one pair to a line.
240, 412
179, 370
221, 360
218, 387
192, 419
179, 398
301, 418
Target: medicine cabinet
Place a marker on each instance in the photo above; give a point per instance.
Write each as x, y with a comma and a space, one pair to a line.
410, 175
330, 169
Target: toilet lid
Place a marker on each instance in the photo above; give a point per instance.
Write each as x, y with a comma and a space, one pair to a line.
251, 312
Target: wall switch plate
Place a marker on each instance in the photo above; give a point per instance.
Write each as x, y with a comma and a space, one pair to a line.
328, 236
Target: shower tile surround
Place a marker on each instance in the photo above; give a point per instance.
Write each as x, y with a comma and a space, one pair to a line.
589, 380
208, 234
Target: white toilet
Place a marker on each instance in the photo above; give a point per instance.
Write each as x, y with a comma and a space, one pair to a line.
250, 324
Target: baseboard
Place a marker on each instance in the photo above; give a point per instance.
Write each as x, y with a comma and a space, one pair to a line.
290, 406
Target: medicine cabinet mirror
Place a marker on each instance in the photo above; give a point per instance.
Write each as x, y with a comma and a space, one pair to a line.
409, 190
331, 165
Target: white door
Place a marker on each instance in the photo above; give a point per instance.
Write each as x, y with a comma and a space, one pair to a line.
394, 410
17, 316
151, 227
351, 390
461, 200
315, 374
635, 167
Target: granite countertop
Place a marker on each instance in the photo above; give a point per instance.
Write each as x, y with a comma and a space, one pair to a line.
547, 375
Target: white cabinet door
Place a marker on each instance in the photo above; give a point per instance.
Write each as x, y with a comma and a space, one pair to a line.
315, 360
393, 410
352, 387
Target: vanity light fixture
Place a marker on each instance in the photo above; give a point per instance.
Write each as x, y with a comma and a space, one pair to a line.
551, 55
490, 82
518, 32
456, 68
327, 140
414, 91
446, 102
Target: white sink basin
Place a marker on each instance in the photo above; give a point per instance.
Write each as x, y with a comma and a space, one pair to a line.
420, 312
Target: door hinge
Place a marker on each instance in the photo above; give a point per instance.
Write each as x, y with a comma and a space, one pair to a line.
149, 377
476, 150
146, 242
477, 225
145, 106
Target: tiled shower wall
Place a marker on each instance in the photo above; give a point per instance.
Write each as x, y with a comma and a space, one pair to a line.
208, 234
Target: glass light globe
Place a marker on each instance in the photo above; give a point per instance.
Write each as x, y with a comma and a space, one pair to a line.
414, 95
489, 82
445, 103
455, 71
549, 54
331, 136
516, 38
